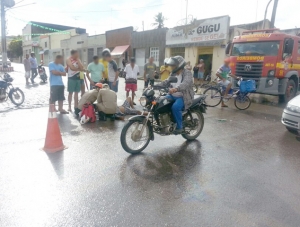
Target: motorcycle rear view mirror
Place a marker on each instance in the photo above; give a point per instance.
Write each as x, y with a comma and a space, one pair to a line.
173, 79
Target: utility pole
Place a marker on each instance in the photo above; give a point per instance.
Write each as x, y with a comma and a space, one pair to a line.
274, 14
186, 11
3, 33
266, 11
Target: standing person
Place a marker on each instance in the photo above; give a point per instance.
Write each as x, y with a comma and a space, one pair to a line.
105, 75
113, 73
165, 71
57, 87
27, 68
132, 71
74, 66
149, 72
34, 66
96, 70
195, 69
124, 63
201, 70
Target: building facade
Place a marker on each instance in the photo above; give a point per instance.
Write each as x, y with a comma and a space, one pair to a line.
149, 43
87, 46
44, 39
119, 42
204, 39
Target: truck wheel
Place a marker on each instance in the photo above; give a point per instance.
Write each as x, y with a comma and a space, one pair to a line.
291, 91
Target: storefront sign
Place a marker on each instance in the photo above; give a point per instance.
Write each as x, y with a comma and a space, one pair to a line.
207, 32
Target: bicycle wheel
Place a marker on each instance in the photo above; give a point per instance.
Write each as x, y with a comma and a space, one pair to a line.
213, 98
242, 102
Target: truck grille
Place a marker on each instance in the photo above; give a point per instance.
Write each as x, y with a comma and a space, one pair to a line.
249, 71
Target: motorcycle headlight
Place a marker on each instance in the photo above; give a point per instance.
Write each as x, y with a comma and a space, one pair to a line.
292, 108
143, 101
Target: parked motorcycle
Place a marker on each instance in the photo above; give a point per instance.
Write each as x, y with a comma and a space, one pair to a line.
7, 90
122, 73
138, 132
42, 72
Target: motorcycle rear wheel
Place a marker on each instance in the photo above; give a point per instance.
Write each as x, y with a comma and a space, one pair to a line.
17, 96
194, 134
130, 140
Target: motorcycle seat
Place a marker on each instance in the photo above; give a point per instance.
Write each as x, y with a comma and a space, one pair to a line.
197, 100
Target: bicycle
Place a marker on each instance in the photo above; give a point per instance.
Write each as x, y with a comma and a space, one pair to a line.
206, 84
214, 97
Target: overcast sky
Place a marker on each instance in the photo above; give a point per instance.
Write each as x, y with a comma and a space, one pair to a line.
98, 16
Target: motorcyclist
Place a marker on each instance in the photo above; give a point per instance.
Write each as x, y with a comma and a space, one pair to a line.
181, 92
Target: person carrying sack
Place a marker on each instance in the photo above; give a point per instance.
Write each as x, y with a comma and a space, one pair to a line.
132, 71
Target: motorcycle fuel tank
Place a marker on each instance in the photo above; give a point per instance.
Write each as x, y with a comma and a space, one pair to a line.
164, 105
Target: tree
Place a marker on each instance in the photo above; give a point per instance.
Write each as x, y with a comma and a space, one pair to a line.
15, 47
193, 21
159, 21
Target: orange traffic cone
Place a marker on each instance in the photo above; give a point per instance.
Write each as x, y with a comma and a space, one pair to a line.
53, 141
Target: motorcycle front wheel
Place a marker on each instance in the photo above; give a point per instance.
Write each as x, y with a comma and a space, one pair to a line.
194, 127
17, 96
132, 140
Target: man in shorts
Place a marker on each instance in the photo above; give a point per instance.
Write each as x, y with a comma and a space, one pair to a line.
56, 84
149, 72
223, 74
74, 67
132, 71
201, 70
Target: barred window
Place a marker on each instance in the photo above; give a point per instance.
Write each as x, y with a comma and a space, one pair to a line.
178, 51
154, 52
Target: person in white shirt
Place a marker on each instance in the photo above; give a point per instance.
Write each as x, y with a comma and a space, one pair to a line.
132, 71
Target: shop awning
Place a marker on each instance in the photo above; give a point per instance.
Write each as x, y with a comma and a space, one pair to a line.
119, 50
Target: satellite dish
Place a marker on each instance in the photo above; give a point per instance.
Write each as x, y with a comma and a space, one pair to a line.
9, 3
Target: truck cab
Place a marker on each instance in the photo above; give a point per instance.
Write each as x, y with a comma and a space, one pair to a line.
269, 57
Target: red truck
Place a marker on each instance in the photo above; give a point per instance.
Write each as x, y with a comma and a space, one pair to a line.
269, 57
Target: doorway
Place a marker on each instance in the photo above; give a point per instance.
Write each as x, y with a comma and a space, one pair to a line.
207, 58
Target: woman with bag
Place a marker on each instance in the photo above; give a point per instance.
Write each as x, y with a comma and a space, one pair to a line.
132, 71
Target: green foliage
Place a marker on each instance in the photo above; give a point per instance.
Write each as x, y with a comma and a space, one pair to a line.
159, 21
15, 47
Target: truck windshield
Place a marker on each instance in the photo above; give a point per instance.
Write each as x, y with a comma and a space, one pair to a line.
255, 49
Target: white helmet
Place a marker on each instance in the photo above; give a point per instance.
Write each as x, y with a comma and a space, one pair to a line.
84, 119
176, 61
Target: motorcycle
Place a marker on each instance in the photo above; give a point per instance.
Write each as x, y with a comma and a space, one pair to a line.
140, 129
122, 73
7, 90
42, 73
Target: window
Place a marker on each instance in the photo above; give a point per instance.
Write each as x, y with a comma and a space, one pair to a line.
178, 51
154, 52
298, 47
269, 48
45, 44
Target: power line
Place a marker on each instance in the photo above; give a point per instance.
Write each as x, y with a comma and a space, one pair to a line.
99, 11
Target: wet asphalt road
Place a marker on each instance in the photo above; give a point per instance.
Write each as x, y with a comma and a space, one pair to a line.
241, 172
